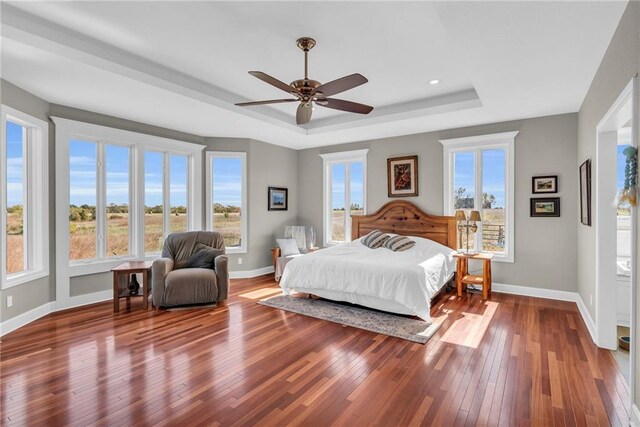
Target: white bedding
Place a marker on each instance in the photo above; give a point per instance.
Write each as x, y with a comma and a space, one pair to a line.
399, 282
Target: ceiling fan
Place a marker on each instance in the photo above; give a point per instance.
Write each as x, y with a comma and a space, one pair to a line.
308, 92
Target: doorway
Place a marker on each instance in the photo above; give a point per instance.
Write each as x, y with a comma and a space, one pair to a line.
615, 227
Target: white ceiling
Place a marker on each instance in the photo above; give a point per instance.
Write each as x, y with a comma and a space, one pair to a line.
182, 65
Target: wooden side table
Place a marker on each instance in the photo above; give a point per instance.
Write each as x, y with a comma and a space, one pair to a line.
128, 268
464, 278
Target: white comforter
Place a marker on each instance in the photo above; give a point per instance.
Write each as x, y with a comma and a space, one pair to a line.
352, 272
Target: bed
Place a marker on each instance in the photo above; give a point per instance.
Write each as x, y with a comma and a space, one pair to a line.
396, 282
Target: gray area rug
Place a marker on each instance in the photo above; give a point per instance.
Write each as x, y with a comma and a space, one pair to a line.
411, 329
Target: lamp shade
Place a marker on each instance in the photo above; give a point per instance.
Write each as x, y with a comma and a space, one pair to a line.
460, 215
475, 216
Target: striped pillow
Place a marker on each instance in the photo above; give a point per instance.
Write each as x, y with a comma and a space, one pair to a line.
399, 243
375, 239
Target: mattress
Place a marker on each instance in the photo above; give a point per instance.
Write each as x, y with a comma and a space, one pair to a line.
398, 282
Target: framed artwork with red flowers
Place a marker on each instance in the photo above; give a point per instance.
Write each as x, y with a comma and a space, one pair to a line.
402, 176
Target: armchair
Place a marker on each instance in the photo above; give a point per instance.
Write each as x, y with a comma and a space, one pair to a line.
174, 284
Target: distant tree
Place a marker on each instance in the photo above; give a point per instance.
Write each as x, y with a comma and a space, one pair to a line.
488, 200
462, 199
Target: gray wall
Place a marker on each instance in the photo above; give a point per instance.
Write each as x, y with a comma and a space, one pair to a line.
30, 295
545, 255
267, 166
619, 64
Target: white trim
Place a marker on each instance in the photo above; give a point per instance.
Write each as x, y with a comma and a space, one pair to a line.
476, 145
25, 318
550, 294
85, 299
328, 160
635, 414
248, 274
244, 212
36, 197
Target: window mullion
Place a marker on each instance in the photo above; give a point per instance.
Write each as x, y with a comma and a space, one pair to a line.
478, 198
101, 208
27, 170
166, 195
347, 201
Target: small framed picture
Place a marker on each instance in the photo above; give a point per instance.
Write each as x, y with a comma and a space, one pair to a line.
585, 192
402, 176
549, 206
278, 199
544, 184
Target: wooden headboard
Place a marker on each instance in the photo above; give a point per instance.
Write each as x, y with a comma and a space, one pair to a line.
402, 217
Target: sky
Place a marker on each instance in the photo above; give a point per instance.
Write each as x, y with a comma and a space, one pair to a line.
621, 163
356, 175
493, 173
15, 172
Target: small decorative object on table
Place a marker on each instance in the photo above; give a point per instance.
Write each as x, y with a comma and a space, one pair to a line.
134, 286
471, 225
402, 176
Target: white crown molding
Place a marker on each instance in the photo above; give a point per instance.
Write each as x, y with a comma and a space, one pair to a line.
40, 33
480, 139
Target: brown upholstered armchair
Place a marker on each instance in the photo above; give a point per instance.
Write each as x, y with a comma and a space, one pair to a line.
174, 283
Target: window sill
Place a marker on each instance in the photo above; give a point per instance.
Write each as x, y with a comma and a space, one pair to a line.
231, 251
97, 266
24, 277
502, 258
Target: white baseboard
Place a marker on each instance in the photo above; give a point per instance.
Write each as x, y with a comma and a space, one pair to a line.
635, 416
551, 294
20, 320
247, 274
51, 307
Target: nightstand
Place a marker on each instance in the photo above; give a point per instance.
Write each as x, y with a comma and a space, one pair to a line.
464, 278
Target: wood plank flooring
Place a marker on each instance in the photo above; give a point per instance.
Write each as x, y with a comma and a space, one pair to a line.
508, 361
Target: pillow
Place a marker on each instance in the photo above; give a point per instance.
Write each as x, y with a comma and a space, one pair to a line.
288, 247
203, 257
375, 239
399, 243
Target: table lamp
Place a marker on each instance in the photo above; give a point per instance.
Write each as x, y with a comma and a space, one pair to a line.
470, 225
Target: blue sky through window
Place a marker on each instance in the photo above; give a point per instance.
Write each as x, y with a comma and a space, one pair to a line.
15, 165
153, 165
178, 180
117, 162
82, 173
493, 174
621, 164
356, 176
227, 181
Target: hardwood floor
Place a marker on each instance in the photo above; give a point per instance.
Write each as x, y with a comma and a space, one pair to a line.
508, 361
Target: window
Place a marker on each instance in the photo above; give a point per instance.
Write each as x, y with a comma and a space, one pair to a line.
478, 175
344, 193
23, 197
165, 211
99, 189
227, 198
121, 195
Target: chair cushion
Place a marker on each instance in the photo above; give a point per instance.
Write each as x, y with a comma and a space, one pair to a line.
203, 257
190, 286
288, 247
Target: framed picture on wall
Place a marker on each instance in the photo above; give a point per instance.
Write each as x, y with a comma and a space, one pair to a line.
402, 176
278, 199
544, 184
549, 206
585, 192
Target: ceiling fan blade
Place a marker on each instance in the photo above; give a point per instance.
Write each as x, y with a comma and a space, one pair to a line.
340, 104
342, 84
271, 101
303, 115
273, 82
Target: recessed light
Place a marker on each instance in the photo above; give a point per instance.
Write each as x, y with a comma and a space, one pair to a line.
434, 81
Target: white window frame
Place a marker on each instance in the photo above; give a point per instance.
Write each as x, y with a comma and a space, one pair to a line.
477, 144
244, 217
36, 200
67, 130
328, 160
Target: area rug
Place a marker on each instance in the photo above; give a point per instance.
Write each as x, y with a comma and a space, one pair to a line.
411, 329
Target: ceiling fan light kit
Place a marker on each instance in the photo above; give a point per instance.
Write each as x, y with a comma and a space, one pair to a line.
309, 92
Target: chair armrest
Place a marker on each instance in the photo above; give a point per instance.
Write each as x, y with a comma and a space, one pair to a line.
159, 270
221, 263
